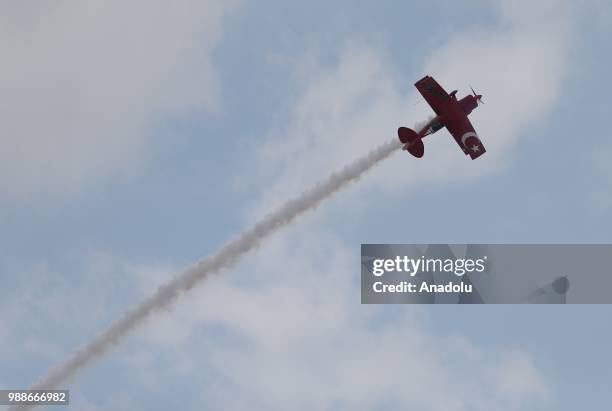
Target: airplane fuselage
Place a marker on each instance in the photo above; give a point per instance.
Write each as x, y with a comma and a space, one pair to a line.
466, 105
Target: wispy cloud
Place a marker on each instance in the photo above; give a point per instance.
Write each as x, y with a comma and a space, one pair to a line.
518, 64
83, 84
283, 335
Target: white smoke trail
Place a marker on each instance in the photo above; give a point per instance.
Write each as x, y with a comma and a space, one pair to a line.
418, 126
227, 256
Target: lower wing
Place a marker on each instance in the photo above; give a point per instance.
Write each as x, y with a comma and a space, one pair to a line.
464, 134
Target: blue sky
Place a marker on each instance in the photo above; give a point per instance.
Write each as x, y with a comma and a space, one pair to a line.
138, 139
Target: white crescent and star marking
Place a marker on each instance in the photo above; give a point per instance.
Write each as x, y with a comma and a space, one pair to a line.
476, 147
468, 135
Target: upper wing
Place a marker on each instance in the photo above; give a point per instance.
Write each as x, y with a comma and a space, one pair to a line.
433, 93
464, 134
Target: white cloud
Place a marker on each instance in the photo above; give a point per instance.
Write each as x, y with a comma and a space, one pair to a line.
49, 311
84, 83
346, 109
285, 330
290, 333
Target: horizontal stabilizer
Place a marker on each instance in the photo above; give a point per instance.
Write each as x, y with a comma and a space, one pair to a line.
416, 148
406, 135
412, 142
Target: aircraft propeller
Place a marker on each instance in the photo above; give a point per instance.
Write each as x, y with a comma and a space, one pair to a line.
478, 96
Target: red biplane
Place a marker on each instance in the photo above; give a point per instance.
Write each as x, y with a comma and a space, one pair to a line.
450, 113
